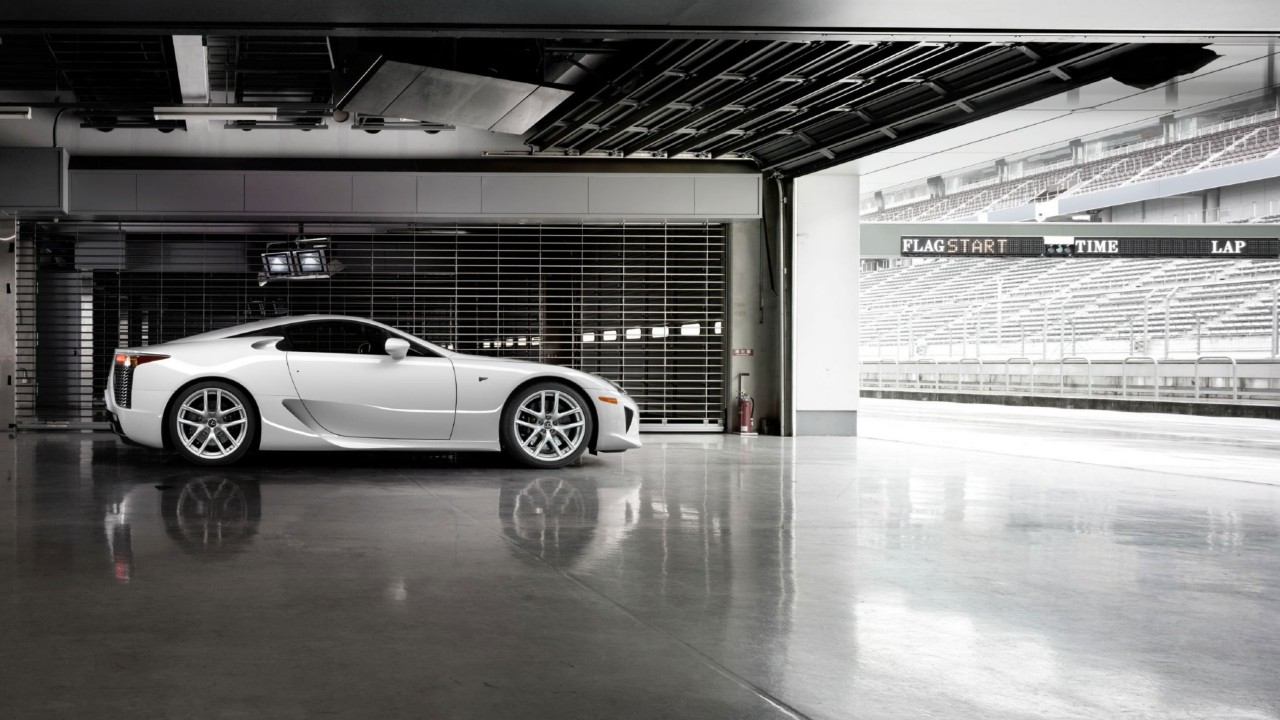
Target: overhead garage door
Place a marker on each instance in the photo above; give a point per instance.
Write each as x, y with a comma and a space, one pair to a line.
640, 304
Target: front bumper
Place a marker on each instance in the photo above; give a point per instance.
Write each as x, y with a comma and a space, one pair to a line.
619, 424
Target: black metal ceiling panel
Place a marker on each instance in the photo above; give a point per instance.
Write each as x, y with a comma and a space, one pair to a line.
114, 80
797, 108
791, 108
289, 73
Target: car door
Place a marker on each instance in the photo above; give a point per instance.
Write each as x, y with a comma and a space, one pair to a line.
353, 388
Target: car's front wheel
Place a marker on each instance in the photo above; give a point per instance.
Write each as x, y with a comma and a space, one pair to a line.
212, 423
546, 425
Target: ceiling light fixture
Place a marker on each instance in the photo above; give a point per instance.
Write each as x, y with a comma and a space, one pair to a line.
214, 112
15, 112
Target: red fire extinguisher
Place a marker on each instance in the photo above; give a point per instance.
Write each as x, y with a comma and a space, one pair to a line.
746, 406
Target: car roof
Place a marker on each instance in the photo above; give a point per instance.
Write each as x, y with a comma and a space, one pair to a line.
283, 320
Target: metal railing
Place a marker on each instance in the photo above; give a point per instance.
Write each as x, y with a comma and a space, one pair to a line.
1214, 378
906, 193
1155, 374
960, 376
1235, 379
1050, 323
1008, 376
1062, 373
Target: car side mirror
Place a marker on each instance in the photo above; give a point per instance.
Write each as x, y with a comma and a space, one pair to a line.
397, 348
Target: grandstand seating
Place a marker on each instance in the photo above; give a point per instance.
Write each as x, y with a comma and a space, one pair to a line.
1260, 143
1001, 300
1251, 317
1241, 143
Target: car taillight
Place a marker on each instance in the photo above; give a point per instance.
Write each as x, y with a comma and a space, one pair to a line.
122, 376
134, 360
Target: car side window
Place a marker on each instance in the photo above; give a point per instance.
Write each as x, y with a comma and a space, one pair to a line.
337, 336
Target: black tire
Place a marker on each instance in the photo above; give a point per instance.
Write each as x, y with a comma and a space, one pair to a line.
195, 404
554, 445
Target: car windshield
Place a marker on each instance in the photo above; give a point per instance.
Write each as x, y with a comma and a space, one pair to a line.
430, 346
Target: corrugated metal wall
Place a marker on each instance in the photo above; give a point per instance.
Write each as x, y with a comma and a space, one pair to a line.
640, 304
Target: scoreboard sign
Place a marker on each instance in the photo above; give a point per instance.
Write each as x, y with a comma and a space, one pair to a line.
1114, 247
922, 246
1178, 247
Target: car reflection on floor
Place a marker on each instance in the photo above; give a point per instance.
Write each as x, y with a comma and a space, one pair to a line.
209, 515
552, 517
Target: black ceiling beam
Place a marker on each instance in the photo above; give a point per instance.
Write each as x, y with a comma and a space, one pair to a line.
889, 84
895, 62
1039, 81
804, 55
698, 77
856, 65
876, 121
625, 89
658, 60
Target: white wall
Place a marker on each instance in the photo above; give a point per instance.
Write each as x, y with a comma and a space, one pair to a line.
1254, 199
1164, 210
825, 304
1237, 202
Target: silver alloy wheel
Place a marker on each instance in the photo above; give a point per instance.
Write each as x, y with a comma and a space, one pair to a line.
550, 425
212, 423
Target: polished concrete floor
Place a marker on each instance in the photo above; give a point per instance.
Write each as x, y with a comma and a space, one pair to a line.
938, 567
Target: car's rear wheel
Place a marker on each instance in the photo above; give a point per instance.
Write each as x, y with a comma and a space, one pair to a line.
212, 423
546, 425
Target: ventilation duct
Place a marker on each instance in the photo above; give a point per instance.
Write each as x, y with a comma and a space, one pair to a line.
1149, 66
388, 88
33, 180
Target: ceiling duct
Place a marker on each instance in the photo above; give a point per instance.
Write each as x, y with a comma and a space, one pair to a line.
388, 88
1152, 65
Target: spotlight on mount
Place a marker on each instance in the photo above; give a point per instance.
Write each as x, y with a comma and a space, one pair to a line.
301, 259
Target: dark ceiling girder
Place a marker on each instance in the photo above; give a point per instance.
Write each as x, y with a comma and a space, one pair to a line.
728, 57
793, 108
874, 85
861, 65
826, 108
849, 148
638, 73
887, 128
805, 55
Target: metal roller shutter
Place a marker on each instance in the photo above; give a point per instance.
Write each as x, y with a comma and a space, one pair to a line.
641, 304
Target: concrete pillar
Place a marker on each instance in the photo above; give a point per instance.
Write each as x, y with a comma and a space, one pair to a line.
754, 294
1002, 170
1169, 128
879, 196
937, 187
8, 320
1077, 151
824, 307
1212, 207
1269, 74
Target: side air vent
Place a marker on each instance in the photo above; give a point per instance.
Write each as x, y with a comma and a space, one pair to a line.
122, 380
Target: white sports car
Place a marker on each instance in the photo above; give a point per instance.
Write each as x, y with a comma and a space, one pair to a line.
330, 382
